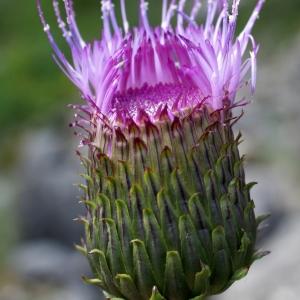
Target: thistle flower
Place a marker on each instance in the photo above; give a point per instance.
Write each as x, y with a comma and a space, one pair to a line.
168, 211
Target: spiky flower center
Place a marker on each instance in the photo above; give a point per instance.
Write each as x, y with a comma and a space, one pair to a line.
152, 99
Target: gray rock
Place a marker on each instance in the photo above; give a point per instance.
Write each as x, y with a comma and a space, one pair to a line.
48, 263
47, 202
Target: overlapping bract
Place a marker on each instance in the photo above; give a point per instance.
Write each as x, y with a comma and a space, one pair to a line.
168, 209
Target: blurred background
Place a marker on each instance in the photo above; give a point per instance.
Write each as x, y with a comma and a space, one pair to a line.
38, 164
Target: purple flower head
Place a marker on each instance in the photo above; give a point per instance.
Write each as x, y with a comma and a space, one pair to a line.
168, 210
131, 73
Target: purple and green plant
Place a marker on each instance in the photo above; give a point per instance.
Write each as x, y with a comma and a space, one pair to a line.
168, 211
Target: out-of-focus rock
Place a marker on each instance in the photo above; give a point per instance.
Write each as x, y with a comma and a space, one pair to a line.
47, 171
49, 264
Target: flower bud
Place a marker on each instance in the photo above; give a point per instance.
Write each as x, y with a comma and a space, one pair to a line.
168, 211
